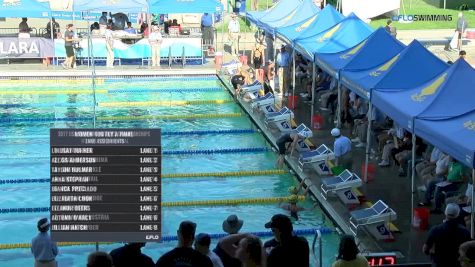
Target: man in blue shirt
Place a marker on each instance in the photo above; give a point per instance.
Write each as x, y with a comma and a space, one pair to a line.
283, 60
342, 150
207, 29
43, 248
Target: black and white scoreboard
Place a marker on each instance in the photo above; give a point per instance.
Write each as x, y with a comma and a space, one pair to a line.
105, 185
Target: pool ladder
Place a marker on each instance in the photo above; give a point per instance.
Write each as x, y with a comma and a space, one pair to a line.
318, 258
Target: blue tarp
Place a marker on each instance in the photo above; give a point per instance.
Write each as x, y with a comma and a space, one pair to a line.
326, 18
378, 48
304, 11
115, 6
24, 8
276, 12
455, 136
348, 33
411, 67
189, 6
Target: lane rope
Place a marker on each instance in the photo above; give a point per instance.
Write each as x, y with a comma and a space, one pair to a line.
188, 203
164, 103
169, 238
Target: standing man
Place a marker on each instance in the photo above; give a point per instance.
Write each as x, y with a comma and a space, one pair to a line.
285, 249
207, 29
283, 60
52, 27
184, 254
233, 34
110, 47
155, 39
103, 23
23, 26
68, 45
462, 25
444, 239
43, 248
342, 150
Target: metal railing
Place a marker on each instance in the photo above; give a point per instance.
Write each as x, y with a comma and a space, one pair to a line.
13, 32
318, 258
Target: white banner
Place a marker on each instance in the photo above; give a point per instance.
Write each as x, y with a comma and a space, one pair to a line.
366, 9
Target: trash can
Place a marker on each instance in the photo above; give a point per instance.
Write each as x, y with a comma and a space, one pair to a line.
317, 122
421, 218
292, 103
470, 34
218, 59
260, 75
243, 60
371, 171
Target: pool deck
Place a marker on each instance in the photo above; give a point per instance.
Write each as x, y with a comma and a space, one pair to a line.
407, 242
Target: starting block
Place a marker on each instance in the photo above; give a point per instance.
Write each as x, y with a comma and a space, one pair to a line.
375, 219
342, 186
321, 154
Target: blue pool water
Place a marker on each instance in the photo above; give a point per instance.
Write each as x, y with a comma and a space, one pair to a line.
24, 154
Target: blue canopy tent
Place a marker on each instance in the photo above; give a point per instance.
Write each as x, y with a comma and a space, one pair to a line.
348, 33
191, 6
306, 9
412, 66
25, 8
378, 48
326, 18
279, 11
111, 6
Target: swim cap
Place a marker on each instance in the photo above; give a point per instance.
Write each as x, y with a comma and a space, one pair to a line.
293, 199
293, 190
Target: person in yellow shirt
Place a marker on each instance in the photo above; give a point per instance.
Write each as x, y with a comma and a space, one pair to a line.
348, 254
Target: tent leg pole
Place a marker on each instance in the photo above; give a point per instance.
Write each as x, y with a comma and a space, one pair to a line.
472, 217
413, 173
293, 75
312, 109
368, 140
338, 110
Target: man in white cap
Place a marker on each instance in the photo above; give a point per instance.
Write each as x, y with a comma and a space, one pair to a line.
444, 239
155, 39
233, 33
342, 149
43, 248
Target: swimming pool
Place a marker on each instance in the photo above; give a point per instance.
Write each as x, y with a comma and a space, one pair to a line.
194, 113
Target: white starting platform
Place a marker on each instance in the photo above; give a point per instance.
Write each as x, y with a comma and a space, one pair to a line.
260, 103
374, 219
342, 186
317, 156
278, 119
303, 130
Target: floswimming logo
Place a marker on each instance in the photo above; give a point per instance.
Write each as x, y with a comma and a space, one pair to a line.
11, 3
415, 18
353, 51
430, 89
290, 16
306, 24
469, 125
111, 2
329, 34
384, 67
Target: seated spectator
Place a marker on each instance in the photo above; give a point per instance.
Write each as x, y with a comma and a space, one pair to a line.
130, 29
285, 249
467, 254
248, 249
444, 240
405, 153
52, 27
348, 254
184, 254
231, 225
427, 166
99, 259
95, 28
131, 255
397, 134
23, 26
202, 243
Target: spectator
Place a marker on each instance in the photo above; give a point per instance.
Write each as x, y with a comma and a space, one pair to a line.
43, 248
131, 255
23, 26
283, 61
155, 39
467, 254
285, 249
99, 259
202, 243
444, 239
462, 25
103, 21
184, 254
95, 28
130, 29
119, 21
390, 29
231, 225
427, 166
342, 149
248, 249
269, 39
52, 27
462, 54
110, 47
68, 45
348, 254
233, 34
207, 29
257, 55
